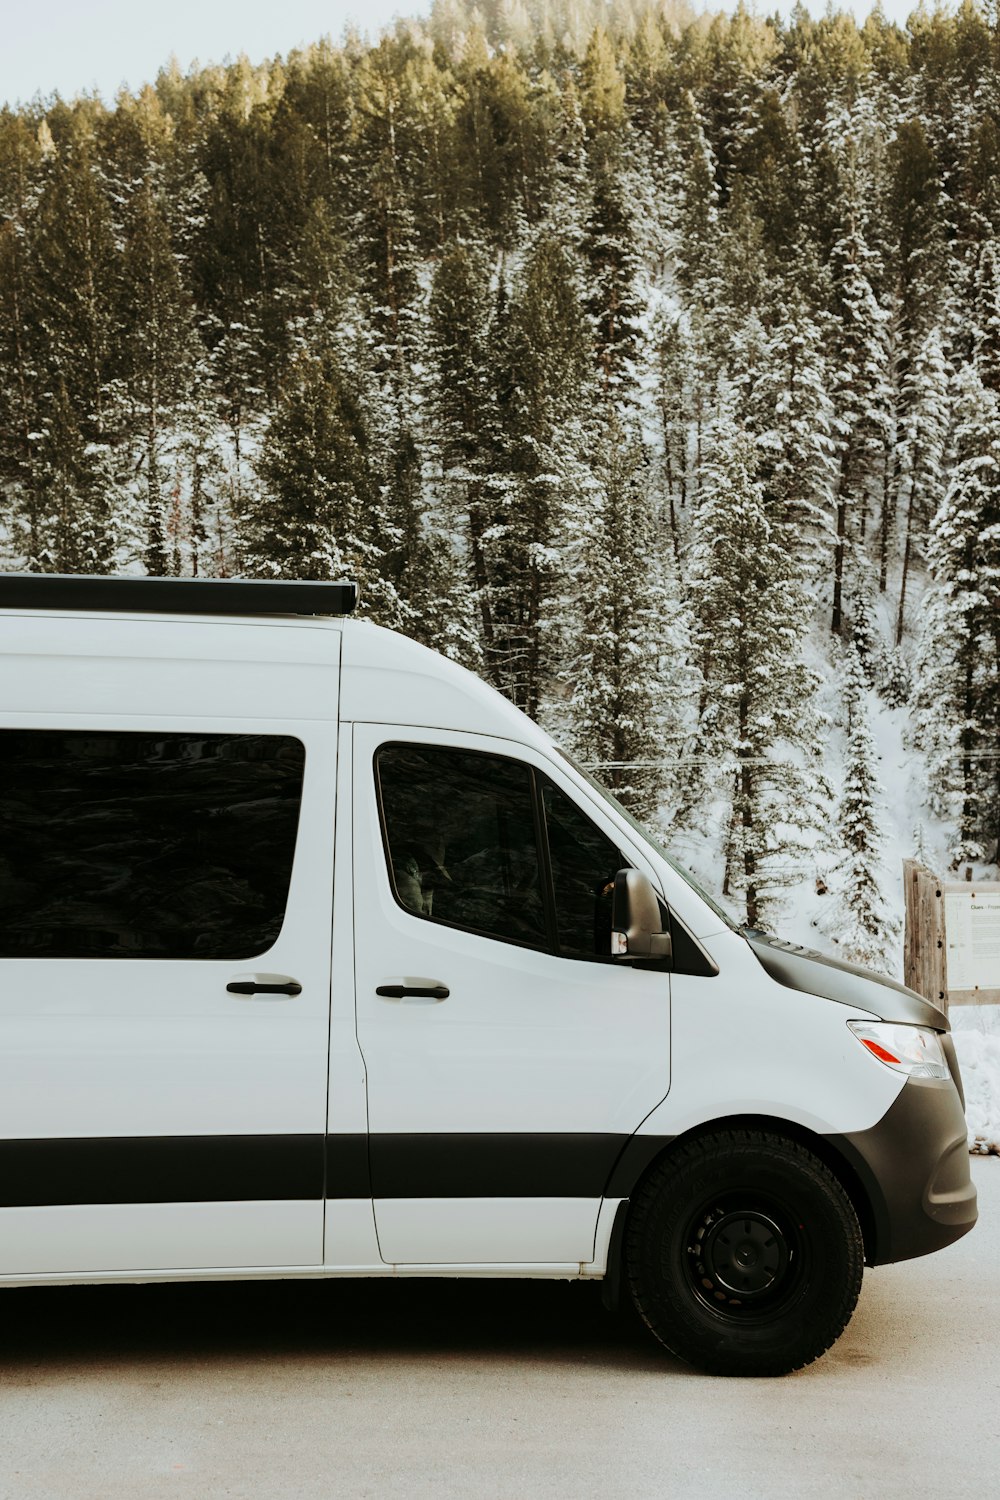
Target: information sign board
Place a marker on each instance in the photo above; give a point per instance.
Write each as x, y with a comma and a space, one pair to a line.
972, 938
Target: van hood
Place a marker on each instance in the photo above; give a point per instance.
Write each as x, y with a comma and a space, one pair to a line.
803, 969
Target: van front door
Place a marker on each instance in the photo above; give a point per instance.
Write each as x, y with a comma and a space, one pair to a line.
508, 1058
165, 900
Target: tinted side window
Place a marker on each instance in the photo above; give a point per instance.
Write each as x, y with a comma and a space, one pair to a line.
121, 845
584, 865
460, 840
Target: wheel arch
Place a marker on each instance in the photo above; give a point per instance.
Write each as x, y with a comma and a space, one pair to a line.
644, 1154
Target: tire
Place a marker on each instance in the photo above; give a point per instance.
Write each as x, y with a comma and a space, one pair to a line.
743, 1254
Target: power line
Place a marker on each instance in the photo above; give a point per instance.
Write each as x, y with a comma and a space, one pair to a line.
754, 760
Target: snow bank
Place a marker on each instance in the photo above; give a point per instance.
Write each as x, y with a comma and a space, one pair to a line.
976, 1030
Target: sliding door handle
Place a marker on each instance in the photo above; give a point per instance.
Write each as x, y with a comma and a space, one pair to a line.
415, 989
263, 984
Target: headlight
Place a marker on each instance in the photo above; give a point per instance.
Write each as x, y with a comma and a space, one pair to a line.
908, 1049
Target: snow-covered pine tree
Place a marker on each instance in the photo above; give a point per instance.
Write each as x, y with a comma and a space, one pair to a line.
419, 585
985, 319
157, 355
861, 919
854, 686
792, 414
386, 161
914, 209
21, 498
326, 280
542, 376
758, 716
608, 245
77, 530
612, 262
921, 852
925, 403
199, 544
567, 157
695, 190
671, 357
627, 644
862, 398
74, 268
465, 424
861, 614
957, 701
312, 516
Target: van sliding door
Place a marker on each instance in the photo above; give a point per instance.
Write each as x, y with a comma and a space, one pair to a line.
165, 898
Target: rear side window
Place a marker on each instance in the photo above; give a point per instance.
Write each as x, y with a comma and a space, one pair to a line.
122, 845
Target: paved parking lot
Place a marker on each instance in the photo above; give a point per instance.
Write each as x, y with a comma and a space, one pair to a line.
516, 1389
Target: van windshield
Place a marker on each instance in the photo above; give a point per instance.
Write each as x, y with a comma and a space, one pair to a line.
647, 837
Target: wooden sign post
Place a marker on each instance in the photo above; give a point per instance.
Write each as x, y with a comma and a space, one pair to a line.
951, 950
924, 937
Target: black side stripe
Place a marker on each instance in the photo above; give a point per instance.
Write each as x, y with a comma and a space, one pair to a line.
213, 1168
492, 1166
160, 1169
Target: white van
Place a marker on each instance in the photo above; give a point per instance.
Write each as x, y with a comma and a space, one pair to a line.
320, 959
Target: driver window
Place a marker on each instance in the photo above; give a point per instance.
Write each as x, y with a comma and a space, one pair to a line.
460, 840
584, 865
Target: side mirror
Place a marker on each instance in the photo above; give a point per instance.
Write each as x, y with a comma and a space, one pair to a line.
636, 924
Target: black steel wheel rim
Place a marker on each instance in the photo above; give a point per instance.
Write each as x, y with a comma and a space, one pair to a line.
744, 1256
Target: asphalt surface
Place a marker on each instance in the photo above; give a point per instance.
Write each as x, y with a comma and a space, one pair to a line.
491, 1389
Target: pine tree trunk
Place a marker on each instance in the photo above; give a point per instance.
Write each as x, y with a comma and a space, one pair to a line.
836, 622
480, 577
675, 540
906, 567
94, 341
196, 524
888, 521
729, 852
533, 645
996, 764
969, 830
749, 858
156, 554
25, 425
745, 780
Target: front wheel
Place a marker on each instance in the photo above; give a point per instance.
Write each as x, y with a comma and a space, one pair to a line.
743, 1254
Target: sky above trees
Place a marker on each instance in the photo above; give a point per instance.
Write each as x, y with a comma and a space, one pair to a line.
70, 48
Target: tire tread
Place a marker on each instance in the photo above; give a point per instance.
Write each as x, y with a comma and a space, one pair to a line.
772, 1149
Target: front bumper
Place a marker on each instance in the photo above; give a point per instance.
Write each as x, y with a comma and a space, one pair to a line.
914, 1168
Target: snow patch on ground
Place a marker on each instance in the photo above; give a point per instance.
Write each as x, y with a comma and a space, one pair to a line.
976, 1029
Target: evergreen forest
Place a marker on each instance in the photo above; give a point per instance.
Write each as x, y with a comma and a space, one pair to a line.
645, 361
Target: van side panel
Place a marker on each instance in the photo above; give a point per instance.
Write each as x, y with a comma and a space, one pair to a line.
151, 1119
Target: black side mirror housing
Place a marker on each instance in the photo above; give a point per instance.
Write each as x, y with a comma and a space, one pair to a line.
636, 923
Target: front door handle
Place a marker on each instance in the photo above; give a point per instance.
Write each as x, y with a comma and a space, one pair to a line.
416, 989
263, 984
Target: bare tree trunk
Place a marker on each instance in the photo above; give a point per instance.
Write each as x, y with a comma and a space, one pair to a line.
478, 524
890, 490
671, 509
745, 781
906, 567
837, 620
